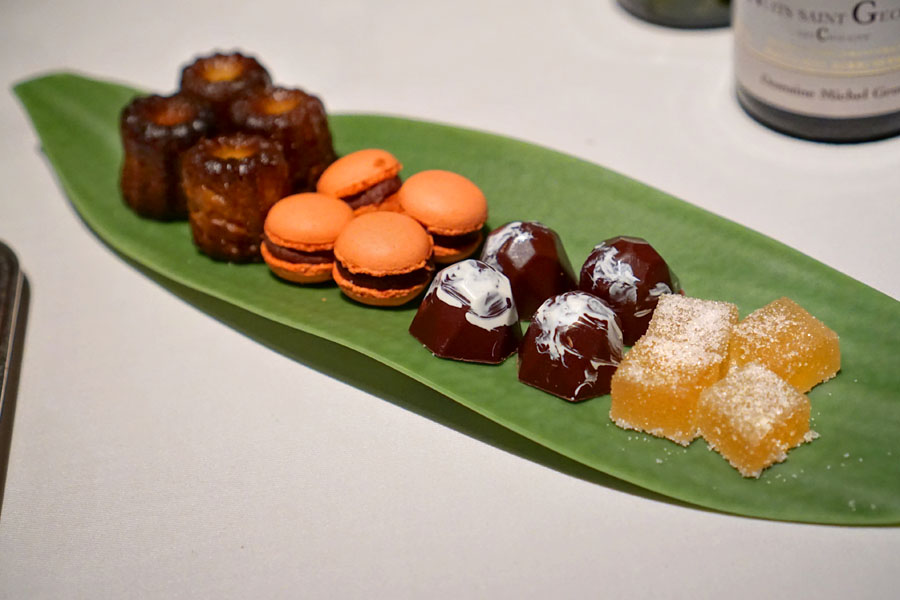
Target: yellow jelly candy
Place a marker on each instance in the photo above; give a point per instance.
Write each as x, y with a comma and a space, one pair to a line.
789, 341
703, 323
752, 417
657, 385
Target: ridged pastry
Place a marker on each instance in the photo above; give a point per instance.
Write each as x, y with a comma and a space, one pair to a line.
297, 121
156, 131
220, 79
231, 182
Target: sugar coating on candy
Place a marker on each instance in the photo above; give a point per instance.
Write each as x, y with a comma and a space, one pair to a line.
707, 323
483, 291
785, 338
657, 386
752, 418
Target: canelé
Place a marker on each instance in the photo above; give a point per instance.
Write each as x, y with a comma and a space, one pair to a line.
231, 182
297, 121
156, 131
220, 79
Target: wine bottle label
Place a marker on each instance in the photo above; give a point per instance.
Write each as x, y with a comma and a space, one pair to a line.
822, 58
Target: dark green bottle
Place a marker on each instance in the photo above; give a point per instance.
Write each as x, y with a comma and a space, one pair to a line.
685, 14
831, 74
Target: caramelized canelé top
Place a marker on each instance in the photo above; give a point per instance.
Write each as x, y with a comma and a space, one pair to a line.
294, 118
221, 78
231, 182
165, 118
238, 154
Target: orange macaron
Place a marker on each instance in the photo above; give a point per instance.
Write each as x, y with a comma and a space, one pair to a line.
362, 179
299, 236
450, 207
383, 259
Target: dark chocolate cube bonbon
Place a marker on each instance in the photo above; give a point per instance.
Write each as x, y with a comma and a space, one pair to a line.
532, 256
630, 276
468, 314
572, 347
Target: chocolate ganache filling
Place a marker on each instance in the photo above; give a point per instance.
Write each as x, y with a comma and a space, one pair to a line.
456, 242
387, 282
297, 256
375, 194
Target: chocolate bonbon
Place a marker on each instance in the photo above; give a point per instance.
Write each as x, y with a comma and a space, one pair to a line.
468, 314
630, 275
532, 256
572, 347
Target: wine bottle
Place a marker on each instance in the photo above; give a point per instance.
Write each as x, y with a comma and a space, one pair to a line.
686, 14
825, 70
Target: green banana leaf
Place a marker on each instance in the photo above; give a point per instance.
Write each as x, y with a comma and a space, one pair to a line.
850, 475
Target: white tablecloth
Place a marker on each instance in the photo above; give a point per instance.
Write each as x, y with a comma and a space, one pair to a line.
159, 453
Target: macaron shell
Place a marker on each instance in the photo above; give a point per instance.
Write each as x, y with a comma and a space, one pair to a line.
446, 203
391, 204
383, 243
358, 171
373, 297
366, 209
451, 255
297, 272
307, 222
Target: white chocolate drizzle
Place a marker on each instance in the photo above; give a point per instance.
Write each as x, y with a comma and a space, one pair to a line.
518, 251
656, 291
484, 292
560, 313
617, 274
620, 278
